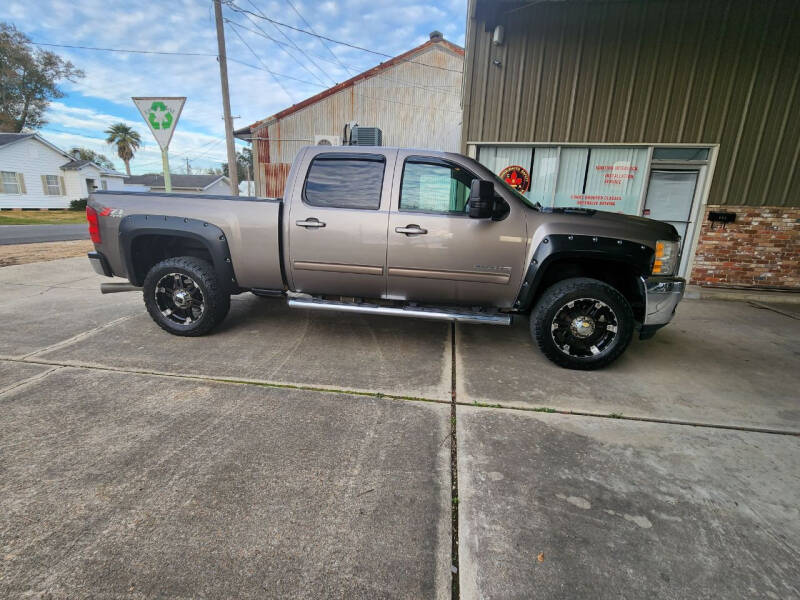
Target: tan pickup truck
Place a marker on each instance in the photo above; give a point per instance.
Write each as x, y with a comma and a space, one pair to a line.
392, 231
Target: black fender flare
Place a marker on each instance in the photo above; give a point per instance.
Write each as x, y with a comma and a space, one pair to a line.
559, 246
209, 235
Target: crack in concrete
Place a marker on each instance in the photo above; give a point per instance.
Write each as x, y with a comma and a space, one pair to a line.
455, 588
30, 359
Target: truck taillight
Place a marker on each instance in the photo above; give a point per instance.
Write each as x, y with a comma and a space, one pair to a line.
94, 224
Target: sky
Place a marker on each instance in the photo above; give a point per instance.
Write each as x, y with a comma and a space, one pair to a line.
301, 65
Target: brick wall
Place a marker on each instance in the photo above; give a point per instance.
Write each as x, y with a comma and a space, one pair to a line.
761, 249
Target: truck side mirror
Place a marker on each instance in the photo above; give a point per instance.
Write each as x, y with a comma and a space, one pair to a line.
481, 199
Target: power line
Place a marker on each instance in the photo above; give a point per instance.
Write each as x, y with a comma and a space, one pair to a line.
324, 45
264, 34
376, 75
291, 41
123, 50
260, 32
239, 9
266, 68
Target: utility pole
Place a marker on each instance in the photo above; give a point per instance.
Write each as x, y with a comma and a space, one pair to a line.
188, 167
233, 174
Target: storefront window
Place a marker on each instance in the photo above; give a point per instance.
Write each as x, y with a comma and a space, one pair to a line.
614, 179
600, 178
571, 175
543, 175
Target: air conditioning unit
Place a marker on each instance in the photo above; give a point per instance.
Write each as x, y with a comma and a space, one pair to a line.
327, 140
366, 136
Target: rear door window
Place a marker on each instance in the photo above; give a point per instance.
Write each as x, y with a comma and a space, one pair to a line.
345, 181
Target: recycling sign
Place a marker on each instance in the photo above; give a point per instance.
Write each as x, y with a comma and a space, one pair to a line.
161, 115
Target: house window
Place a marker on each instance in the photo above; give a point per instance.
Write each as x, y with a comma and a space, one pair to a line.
51, 185
10, 183
103, 184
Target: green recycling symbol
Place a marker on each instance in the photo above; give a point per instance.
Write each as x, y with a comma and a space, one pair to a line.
153, 118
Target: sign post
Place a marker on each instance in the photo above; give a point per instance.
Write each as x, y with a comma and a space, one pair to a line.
161, 116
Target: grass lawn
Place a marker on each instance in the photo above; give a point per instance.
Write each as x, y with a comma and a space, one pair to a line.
42, 217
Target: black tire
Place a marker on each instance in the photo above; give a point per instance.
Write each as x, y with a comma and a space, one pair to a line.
194, 298
591, 333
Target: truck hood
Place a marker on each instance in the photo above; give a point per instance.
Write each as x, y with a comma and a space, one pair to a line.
614, 225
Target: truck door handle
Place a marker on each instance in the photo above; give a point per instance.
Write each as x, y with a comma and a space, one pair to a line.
411, 230
312, 222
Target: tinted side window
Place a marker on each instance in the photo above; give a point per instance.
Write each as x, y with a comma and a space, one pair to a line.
435, 187
345, 182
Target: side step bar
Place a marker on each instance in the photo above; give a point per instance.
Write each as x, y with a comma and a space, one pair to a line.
419, 312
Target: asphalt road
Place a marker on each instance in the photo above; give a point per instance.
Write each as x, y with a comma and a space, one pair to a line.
30, 234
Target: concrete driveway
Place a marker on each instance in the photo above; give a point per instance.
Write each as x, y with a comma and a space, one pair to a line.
293, 454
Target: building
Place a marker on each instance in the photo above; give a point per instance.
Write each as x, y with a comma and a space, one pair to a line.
216, 185
37, 174
413, 98
684, 111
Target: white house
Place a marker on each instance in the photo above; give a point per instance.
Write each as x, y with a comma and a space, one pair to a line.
36, 174
217, 185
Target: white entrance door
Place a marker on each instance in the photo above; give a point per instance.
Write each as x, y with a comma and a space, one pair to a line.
670, 196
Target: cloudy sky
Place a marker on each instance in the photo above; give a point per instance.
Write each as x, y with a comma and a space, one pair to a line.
302, 65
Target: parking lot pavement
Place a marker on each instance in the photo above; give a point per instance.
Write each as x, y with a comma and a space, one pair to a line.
586, 507
117, 481
263, 340
13, 373
118, 484
725, 363
43, 304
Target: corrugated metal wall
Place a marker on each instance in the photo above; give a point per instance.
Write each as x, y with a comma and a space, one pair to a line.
652, 71
414, 106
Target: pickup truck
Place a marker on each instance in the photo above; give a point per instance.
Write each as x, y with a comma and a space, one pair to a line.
391, 231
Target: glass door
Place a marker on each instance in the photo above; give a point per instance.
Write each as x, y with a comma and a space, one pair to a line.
670, 197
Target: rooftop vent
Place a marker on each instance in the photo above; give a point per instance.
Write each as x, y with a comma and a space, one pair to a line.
436, 35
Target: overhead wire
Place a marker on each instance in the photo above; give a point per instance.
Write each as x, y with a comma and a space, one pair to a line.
324, 45
132, 51
291, 41
266, 68
236, 8
376, 75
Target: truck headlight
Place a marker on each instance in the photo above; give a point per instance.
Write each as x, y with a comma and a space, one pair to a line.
666, 259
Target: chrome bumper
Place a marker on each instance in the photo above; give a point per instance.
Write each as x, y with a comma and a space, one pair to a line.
662, 295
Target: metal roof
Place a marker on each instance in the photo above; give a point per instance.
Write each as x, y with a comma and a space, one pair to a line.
178, 181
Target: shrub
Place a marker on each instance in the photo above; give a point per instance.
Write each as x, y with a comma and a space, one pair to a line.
78, 204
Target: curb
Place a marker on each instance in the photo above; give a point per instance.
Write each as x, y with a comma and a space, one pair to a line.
696, 292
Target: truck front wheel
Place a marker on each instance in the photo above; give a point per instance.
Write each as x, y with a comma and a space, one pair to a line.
582, 323
183, 296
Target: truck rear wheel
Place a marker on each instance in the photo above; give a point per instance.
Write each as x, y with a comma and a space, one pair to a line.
183, 296
582, 323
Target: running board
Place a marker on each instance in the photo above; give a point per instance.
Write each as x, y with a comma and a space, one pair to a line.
420, 312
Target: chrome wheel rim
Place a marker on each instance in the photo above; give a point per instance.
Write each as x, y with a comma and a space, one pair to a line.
179, 299
584, 327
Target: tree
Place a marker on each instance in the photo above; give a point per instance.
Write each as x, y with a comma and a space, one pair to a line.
127, 141
28, 80
87, 154
244, 164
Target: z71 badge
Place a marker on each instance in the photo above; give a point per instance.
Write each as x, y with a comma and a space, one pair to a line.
117, 213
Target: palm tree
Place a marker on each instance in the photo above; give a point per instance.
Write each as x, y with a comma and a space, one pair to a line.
127, 141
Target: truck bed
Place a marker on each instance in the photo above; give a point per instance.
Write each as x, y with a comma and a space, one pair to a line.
251, 226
